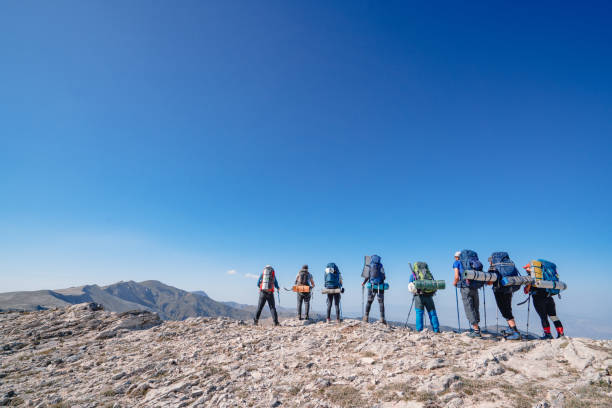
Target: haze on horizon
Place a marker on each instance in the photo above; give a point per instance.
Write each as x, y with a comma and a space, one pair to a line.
195, 143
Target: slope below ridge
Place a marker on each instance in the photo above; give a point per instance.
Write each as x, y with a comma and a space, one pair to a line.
141, 362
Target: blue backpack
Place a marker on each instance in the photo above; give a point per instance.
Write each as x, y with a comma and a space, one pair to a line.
470, 262
376, 270
549, 273
332, 276
504, 267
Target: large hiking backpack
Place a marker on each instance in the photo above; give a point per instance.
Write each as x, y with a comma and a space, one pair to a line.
505, 268
470, 262
376, 270
547, 271
422, 272
267, 279
303, 277
332, 276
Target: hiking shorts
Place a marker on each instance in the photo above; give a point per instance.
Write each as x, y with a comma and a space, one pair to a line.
471, 304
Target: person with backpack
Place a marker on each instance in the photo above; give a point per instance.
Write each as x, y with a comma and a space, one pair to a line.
333, 280
266, 284
423, 299
545, 307
376, 278
502, 266
468, 260
304, 278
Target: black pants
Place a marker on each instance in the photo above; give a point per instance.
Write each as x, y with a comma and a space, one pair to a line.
504, 304
381, 301
263, 298
335, 298
303, 297
545, 306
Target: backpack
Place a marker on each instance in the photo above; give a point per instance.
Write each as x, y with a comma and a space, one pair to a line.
421, 272
376, 270
303, 278
469, 261
504, 267
332, 276
545, 270
267, 279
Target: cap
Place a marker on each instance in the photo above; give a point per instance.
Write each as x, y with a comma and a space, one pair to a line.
458, 253
305, 267
527, 266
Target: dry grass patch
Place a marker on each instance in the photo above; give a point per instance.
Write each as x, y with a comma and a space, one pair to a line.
345, 396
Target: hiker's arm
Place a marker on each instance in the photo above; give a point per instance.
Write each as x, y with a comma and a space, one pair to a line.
312, 285
527, 288
411, 278
365, 281
296, 278
259, 281
456, 277
276, 283
340, 278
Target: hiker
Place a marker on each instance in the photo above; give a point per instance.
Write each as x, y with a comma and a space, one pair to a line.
469, 289
545, 307
500, 264
423, 299
266, 284
304, 278
376, 277
333, 280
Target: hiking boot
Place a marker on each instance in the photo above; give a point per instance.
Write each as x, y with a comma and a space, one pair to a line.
546, 336
514, 336
276, 323
383, 321
474, 334
255, 322
307, 317
300, 318
559, 335
328, 320
365, 318
338, 320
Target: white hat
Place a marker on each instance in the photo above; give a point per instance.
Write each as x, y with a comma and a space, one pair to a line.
458, 254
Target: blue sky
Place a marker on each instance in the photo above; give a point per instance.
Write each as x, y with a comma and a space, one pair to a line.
153, 140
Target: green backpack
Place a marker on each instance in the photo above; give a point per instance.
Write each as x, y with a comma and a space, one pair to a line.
422, 272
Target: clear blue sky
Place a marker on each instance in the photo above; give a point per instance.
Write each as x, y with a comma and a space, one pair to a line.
177, 141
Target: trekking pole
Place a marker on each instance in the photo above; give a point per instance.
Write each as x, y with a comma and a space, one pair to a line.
278, 294
457, 301
484, 298
362, 303
409, 311
528, 308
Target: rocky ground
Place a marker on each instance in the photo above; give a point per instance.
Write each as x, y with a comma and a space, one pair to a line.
82, 357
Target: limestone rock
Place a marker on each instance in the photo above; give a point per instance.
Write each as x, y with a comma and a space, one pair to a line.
83, 356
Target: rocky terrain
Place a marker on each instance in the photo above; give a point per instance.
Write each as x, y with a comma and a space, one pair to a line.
81, 356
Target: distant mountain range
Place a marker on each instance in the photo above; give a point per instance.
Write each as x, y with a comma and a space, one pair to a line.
167, 301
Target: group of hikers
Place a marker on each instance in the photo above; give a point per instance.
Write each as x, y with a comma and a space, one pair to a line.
500, 275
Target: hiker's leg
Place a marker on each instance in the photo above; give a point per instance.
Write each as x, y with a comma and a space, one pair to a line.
539, 303
307, 305
431, 311
418, 309
381, 304
504, 304
369, 303
330, 297
260, 304
551, 311
272, 307
476, 303
299, 305
337, 304
469, 307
